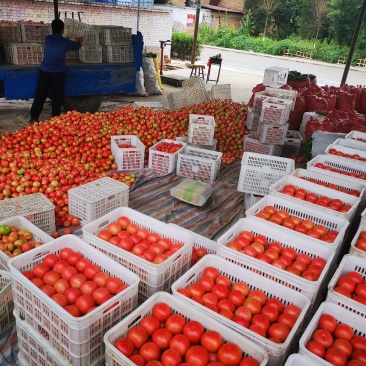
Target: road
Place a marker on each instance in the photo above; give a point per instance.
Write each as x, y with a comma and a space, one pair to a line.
254, 63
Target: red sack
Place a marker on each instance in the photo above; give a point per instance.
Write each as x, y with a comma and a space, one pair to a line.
315, 125
256, 89
295, 120
345, 99
345, 126
363, 102
326, 102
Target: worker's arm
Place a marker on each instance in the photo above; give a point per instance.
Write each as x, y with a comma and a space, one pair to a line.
76, 45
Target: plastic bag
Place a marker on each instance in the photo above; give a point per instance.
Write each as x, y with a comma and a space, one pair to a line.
140, 88
151, 82
192, 191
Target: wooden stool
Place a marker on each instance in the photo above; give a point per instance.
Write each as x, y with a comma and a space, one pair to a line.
198, 68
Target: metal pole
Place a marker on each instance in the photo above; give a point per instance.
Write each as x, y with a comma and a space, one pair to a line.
196, 24
138, 15
55, 6
354, 41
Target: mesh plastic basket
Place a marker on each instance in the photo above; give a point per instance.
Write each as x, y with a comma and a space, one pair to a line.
351, 143
111, 36
90, 54
251, 199
283, 94
308, 288
24, 53
277, 352
90, 201
22, 223
258, 172
292, 144
153, 277
36, 208
74, 29
201, 129
195, 90
275, 76
118, 54
253, 145
35, 32
349, 263
297, 359
78, 340
252, 120
347, 153
356, 135
10, 32
92, 37
177, 99
6, 300
353, 250
199, 164
272, 134
221, 91
163, 162
275, 110
357, 323
128, 158
347, 199
304, 213
116, 358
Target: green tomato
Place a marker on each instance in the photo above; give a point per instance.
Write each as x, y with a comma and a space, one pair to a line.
4, 230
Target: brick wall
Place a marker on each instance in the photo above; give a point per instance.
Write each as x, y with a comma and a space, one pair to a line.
155, 23
232, 4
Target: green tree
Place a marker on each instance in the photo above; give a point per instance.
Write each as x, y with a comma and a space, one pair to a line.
285, 18
268, 7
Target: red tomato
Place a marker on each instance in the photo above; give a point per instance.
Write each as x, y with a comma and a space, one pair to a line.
287, 319
359, 354
279, 331
61, 285
293, 310
50, 259
64, 252
347, 283
249, 361
48, 290
195, 289
220, 291
51, 277
242, 287
112, 284
193, 330
150, 324
88, 287
100, 294
336, 356
81, 264
257, 329
355, 276
236, 297
60, 299
253, 305
38, 282
210, 299
72, 294
150, 351
211, 340
197, 356
68, 271
223, 280
40, 269
180, 343
137, 360
171, 357
162, 337
91, 270
73, 310
72, 258
259, 295
271, 312
323, 337
175, 323
229, 354
114, 228
211, 272
344, 331
206, 283
123, 221
276, 303
358, 342
161, 311
344, 345
327, 322
316, 348
59, 265
84, 303
138, 336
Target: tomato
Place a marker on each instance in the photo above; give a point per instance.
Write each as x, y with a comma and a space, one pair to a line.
38, 282
61, 285
287, 319
150, 324
162, 337
138, 336
60, 299
336, 356
279, 331
271, 312
261, 320
40, 269
73, 310
316, 348
50, 259
343, 331
206, 283
100, 294
88, 287
293, 310
355, 276
242, 287
150, 351
137, 360
229, 354
101, 279
276, 303
72, 294
220, 291
197, 356
51, 277
236, 297
59, 265
358, 342
68, 271
249, 361
175, 323
64, 252
81, 264
48, 290
359, 354
253, 305
257, 329
344, 345
211, 272
346, 283
211, 340
180, 343
91, 270
193, 330
195, 289
84, 303
171, 357
323, 337
223, 280
259, 295
161, 311
112, 284
123, 221
327, 322
72, 258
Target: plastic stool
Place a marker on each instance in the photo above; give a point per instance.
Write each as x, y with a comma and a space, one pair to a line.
198, 68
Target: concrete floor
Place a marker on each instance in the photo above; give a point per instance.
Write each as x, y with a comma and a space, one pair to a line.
14, 114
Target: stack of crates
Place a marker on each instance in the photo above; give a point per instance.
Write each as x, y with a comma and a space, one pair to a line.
117, 44
91, 50
267, 121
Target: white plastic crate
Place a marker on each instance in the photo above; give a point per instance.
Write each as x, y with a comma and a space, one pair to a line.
177, 99
152, 105
208, 147
91, 54
277, 352
10, 32
275, 76
221, 91
356, 135
36, 208
272, 134
32, 348
110, 36
275, 110
349, 263
340, 165
351, 143
305, 213
252, 144
21, 223
118, 54
283, 94
153, 277
75, 28
116, 358
128, 158
252, 120
92, 200
199, 164
292, 144
201, 129
250, 199
258, 172
162, 162
92, 37
363, 216
259, 98
24, 53
297, 359
195, 90
348, 153
301, 245
276, 189
357, 323
353, 250
6, 300
35, 32
307, 116
78, 340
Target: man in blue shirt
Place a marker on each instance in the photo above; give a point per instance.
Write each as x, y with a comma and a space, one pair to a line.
52, 73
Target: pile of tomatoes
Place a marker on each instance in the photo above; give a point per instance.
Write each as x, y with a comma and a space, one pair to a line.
337, 343
307, 227
343, 172
349, 156
286, 258
353, 286
73, 282
165, 338
168, 147
139, 241
268, 317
